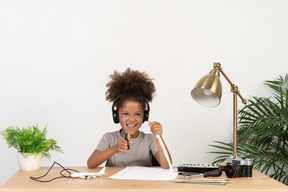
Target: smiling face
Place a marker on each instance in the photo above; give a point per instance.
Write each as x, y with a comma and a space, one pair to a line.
132, 112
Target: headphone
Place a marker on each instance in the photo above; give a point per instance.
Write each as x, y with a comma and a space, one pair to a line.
115, 112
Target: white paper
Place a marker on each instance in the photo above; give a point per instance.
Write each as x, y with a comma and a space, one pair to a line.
163, 147
145, 173
165, 152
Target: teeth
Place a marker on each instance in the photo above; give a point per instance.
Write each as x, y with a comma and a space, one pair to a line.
130, 126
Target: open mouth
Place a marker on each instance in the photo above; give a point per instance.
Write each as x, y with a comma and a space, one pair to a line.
130, 126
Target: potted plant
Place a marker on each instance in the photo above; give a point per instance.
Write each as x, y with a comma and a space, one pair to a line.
31, 144
263, 132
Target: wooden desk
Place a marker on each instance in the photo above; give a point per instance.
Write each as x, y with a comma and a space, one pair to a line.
20, 181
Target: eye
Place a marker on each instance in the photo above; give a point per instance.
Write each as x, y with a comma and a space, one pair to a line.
138, 114
124, 114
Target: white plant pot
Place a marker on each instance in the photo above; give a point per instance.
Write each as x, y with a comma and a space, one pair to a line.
28, 162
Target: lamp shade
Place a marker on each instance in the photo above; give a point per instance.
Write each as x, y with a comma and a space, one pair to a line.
208, 90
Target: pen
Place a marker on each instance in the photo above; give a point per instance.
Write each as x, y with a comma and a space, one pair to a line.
126, 135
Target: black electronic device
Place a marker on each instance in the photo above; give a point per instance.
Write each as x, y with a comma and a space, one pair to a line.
196, 168
213, 173
240, 167
115, 112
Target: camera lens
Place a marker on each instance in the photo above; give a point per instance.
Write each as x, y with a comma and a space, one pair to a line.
232, 170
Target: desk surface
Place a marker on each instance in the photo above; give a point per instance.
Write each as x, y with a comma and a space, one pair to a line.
20, 181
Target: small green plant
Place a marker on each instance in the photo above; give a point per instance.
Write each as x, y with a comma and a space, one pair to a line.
30, 140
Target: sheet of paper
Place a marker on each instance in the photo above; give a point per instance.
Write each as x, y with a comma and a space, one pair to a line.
162, 146
145, 173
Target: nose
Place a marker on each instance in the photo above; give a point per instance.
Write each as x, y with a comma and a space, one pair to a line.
131, 118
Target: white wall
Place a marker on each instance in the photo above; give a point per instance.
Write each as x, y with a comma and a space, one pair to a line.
56, 56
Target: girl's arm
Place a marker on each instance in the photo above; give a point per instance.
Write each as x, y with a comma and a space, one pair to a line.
99, 157
156, 128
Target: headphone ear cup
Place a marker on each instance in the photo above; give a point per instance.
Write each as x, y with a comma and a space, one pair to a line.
146, 115
115, 115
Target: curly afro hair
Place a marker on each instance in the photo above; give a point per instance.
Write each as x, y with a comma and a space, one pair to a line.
132, 83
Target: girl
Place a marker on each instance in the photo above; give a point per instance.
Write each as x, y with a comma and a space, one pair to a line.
130, 92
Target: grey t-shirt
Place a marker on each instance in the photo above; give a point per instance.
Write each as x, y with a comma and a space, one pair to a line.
139, 154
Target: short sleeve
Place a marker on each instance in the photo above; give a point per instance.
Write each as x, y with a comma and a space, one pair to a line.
104, 142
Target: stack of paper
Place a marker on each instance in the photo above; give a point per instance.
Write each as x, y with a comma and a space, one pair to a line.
145, 173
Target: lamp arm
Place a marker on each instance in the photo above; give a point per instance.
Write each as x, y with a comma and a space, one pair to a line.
236, 92
234, 88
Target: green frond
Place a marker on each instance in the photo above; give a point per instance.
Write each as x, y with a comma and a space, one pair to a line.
263, 132
30, 140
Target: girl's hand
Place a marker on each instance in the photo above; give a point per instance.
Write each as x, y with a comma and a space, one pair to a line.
156, 128
121, 146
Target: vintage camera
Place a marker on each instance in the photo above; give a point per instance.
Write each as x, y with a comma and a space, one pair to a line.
239, 167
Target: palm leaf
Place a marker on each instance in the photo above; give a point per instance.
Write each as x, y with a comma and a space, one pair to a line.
263, 132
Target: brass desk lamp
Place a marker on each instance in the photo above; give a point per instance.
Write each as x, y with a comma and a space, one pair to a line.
208, 92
